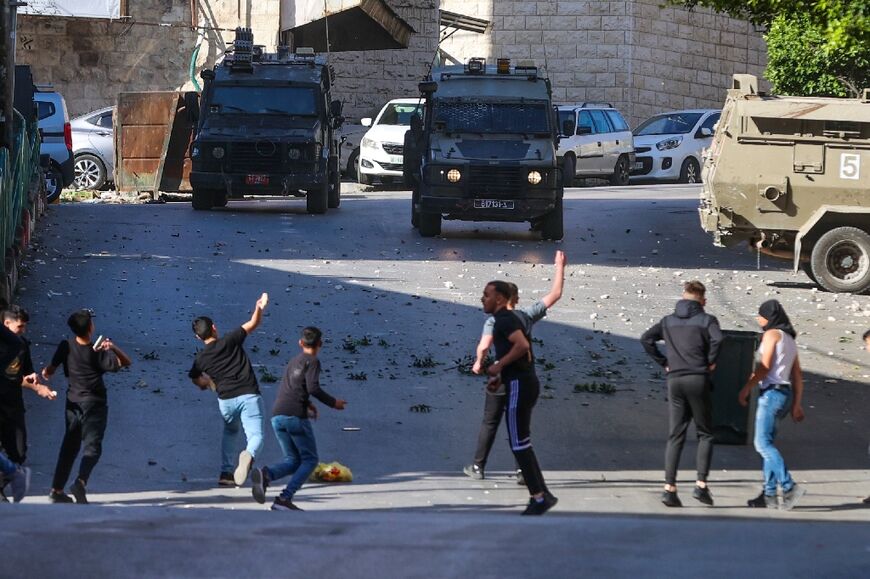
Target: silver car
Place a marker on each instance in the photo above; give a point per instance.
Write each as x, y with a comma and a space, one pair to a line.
94, 149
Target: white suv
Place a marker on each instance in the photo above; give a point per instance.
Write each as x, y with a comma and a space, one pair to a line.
380, 154
595, 141
668, 146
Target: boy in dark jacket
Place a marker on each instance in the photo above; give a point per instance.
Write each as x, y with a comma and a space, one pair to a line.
290, 421
692, 338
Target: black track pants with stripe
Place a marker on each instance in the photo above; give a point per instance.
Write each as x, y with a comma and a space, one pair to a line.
522, 394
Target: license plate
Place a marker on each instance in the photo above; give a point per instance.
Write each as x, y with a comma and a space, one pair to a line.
493, 204
395, 159
638, 166
257, 180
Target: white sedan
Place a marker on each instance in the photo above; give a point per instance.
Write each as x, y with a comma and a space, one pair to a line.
381, 149
668, 146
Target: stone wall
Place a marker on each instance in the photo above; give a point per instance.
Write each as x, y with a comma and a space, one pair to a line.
638, 56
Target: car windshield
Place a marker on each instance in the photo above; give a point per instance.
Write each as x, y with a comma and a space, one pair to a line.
400, 114
282, 100
668, 124
481, 117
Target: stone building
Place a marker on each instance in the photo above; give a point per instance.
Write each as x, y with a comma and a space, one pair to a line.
639, 56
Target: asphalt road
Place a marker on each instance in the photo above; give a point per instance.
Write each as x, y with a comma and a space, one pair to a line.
362, 274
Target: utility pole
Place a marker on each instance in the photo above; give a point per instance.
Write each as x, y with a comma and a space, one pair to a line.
8, 11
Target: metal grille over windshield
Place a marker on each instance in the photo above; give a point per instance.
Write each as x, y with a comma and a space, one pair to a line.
457, 117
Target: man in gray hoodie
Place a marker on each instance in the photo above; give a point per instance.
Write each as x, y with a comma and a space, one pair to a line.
692, 338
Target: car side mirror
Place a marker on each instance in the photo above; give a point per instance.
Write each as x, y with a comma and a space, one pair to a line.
366, 122
207, 74
428, 88
584, 130
567, 128
706, 132
335, 108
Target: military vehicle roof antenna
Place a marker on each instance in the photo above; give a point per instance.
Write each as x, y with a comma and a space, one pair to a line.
326, 17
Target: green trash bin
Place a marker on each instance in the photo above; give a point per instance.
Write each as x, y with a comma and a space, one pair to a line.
734, 365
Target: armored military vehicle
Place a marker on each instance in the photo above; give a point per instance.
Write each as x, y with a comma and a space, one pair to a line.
267, 126
791, 176
487, 151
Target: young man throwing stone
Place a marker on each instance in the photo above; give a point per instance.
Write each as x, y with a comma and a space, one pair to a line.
224, 366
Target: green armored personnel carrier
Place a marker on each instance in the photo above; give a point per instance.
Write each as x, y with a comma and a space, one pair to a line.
791, 176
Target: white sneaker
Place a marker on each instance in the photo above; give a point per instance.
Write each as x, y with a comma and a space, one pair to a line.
245, 462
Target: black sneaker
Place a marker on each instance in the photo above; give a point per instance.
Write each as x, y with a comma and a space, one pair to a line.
703, 495
226, 480
521, 480
791, 497
282, 504
78, 491
259, 484
245, 462
670, 499
763, 501
474, 472
3, 483
537, 507
59, 497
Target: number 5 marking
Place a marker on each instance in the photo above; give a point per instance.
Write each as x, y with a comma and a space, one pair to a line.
850, 166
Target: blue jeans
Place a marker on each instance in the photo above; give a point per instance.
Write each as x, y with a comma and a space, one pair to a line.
245, 411
773, 405
300, 452
7, 467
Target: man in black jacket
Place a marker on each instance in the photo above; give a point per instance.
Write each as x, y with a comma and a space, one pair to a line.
692, 338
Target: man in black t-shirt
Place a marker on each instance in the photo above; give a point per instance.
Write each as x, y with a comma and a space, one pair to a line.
223, 366
516, 369
87, 410
290, 421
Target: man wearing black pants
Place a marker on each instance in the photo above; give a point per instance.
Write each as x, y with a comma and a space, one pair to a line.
515, 368
692, 338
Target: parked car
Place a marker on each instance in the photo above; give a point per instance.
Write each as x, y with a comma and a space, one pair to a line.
350, 136
94, 149
380, 155
56, 141
595, 142
668, 146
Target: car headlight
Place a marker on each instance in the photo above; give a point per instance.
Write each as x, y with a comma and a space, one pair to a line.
218, 152
453, 175
668, 144
369, 143
294, 153
535, 177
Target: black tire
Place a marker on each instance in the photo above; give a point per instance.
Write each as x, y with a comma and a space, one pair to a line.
219, 199
690, 172
334, 190
807, 268
430, 224
352, 165
415, 214
90, 173
621, 172
203, 199
53, 184
569, 167
317, 200
840, 260
553, 225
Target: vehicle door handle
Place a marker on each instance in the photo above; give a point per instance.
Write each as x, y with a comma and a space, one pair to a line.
617, 142
103, 133
599, 143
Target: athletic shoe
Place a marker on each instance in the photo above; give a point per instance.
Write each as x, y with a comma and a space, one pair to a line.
537, 507
59, 497
226, 480
670, 499
866, 501
703, 495
763, 501
521, 480
259, 484
78, 491
245, 462
3, 498
791, 497
20, 483
474, 472
282, 504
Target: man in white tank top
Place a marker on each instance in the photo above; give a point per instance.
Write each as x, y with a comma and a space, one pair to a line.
779, 376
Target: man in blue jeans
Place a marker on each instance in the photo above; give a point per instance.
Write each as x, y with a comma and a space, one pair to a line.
223, 366
17, 477
290, 421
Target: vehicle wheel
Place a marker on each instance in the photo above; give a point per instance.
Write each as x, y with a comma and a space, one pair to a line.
569, 166
53, 184
353, 165
840, 260
690, 171
621, 172
334, 190
317, 200
415, 214
219, 199
430, 224
552, 226
203, 199
90, 172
